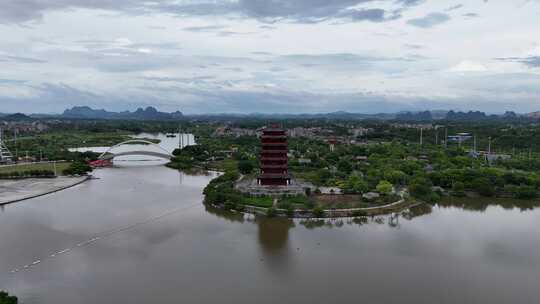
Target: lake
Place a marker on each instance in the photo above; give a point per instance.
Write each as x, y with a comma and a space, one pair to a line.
140, 234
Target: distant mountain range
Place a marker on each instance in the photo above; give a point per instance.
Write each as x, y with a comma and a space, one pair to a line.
333, 115
150, 113
423, 116
534, 115
16, 116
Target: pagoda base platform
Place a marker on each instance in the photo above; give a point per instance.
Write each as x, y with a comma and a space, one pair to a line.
296, 187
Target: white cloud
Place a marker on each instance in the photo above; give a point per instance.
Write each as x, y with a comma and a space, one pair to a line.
144, 50
122, 42
469, 66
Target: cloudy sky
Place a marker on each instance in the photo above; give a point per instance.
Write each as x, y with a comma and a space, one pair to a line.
273, 56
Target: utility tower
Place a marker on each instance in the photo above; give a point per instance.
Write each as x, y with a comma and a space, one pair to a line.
182, 141
5, 154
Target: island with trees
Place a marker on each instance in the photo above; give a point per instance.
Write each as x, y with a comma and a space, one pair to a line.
384, 162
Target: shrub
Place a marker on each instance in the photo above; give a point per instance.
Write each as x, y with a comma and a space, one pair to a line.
77, 168
525, 192
318, 211
28, 173
434, 198
271, 212
359, 213
284, 205
290, 211
230, 205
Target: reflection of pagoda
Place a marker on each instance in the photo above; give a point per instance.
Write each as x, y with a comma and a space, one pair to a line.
274, 164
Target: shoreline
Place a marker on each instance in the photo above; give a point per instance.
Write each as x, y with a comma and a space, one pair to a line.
400, 204
330, 213
51, 188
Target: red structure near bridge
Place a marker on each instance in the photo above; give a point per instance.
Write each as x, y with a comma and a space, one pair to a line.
100, 163
273, 158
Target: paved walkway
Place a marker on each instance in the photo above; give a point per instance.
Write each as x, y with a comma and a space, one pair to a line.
12, 191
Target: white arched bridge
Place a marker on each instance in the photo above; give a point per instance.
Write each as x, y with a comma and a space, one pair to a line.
160, 153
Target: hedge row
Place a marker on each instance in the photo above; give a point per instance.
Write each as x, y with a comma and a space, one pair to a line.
27, 173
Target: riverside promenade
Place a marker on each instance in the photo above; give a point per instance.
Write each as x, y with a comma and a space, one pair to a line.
12, 191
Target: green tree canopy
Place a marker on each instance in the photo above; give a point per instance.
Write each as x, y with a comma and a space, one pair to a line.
245, 166
384, 187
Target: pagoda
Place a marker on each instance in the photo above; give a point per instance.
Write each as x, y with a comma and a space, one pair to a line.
273, 158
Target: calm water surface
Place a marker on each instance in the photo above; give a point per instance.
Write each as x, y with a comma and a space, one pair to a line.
158, 244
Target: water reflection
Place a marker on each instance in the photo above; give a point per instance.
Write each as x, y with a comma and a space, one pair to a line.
417, 211
273, 238
274, 235
224, 214
393, 219
481, 204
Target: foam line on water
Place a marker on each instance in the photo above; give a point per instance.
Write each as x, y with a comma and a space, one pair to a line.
97, 237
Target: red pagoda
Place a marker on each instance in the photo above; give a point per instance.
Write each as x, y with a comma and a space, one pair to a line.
274, 161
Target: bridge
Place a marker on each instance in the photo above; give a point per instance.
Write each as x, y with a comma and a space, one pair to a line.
161, 153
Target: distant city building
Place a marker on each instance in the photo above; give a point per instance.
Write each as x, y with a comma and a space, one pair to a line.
460, 137
426, 126
303, 132
358, 132
23, 126
234, 132
273, 157
497, 157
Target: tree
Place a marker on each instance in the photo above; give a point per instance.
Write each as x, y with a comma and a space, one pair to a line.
396, 177
245, 166
5, 298
384, 187
355, 184
458, 188
420, 187
323, 175
483, 186
344, 166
